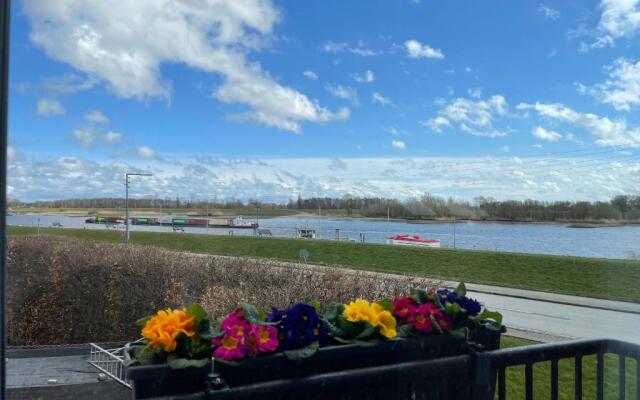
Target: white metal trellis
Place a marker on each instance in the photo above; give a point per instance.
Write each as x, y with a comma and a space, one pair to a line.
109, 361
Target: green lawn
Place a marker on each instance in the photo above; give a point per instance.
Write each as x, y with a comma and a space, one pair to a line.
541, 377
602, 278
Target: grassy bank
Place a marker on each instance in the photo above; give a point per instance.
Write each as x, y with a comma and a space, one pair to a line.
601, 278
541, 376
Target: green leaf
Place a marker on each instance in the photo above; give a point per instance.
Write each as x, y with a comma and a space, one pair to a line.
176, 362
252, 315
452, 308
387, 304
435, 324
144, 355
461, 290
367, 330
197, 311
460, 333
419, 295
143, 321
405, 330
333, 311
494, 315
205, 331
315, 304
233, 363
366, 343
304, 352
350, 329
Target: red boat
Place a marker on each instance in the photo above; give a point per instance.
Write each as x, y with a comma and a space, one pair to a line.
406, 240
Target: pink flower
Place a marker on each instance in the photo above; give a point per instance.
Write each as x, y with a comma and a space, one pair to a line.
266, 338
403, 307
444, 322
230, 348
235, 326
421, 319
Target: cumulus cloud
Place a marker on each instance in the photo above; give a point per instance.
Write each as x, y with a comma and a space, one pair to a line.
619, 19
112, 137
146, 152
607, 132
548, 12
367, 76
310, 74
546, 134
68, 84
48, 107
343, 92
380, 99
622, 89
398, 144
96, 116
340, 47
85, 136
416, 49
475, 117
112, 43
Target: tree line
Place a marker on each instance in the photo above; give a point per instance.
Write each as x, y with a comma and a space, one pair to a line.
622, 207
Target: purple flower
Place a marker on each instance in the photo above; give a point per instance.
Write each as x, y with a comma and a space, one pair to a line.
471, 306
298, 326
446, 296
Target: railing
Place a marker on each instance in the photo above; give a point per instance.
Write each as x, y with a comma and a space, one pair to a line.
478, 376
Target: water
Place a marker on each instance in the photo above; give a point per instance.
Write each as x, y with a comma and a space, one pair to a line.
611, 242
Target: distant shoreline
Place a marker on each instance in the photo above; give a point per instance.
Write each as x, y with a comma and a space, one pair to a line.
304, 214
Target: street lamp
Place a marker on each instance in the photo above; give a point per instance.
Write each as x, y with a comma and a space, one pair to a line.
126, 203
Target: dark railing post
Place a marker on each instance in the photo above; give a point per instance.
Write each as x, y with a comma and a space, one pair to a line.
5, 15
578, 377
622, 377
554, 379
528, 381
600, 376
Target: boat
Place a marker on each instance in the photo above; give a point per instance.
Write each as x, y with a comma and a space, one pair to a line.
406, 240
104, 220
306, 233
236, 223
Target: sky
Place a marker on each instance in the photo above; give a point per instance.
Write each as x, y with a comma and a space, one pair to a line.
274, 99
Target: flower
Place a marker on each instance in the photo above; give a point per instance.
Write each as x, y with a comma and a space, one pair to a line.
298, 326
446, 296
421, 320
469, 305
230, 348
444, 322
404, 306
266, 338
387, 324
164, 328
235, 326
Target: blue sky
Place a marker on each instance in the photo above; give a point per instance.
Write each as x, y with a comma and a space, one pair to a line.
271, 99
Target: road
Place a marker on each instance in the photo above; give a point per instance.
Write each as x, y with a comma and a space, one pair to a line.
549, 321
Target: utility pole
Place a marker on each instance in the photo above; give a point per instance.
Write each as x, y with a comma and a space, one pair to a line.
126, 204
454, 231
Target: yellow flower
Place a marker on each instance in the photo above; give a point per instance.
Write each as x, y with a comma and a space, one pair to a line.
387, 324
166, 325
357, 311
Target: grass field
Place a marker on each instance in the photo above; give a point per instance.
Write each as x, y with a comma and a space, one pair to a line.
541, 377
600, 278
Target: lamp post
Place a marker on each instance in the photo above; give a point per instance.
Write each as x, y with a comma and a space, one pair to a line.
126, 203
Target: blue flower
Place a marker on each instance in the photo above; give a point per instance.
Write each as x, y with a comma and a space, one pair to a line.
446, 296
298, 326
471, 306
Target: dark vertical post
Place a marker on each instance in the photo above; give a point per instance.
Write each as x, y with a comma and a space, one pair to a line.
5, 14
528, 381
578, 378
622, 377
600, 376
554, 379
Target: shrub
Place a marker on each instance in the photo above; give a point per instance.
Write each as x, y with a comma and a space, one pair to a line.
63, 290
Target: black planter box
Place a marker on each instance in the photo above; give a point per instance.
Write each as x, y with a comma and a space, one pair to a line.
160, 380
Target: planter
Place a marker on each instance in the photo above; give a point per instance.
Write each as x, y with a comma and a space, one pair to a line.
160, 380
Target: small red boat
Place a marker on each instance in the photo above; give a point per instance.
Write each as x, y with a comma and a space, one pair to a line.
414, 240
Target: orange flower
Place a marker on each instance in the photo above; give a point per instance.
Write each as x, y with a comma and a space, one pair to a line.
166, 325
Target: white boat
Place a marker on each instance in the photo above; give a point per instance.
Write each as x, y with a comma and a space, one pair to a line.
406, 240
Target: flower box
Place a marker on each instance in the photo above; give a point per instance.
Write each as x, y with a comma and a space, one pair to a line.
151, 381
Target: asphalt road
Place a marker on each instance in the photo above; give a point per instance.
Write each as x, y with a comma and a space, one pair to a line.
549, 321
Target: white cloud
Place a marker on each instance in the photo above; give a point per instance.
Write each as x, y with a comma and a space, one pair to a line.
69, 84
340, 47
393, 131
11, 153
380, 99
537, 146
436, 124
416, 49
367, 76
398, 144
343, 92
114, 44
622, 89
473, 117
545, 134
96, 116
85, 136
146, 152
47, 107
475, 93
112, 137
506, 149
607, 132
619, 19
310, 74
548, 12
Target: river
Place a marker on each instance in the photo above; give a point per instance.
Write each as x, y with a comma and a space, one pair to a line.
607, 242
